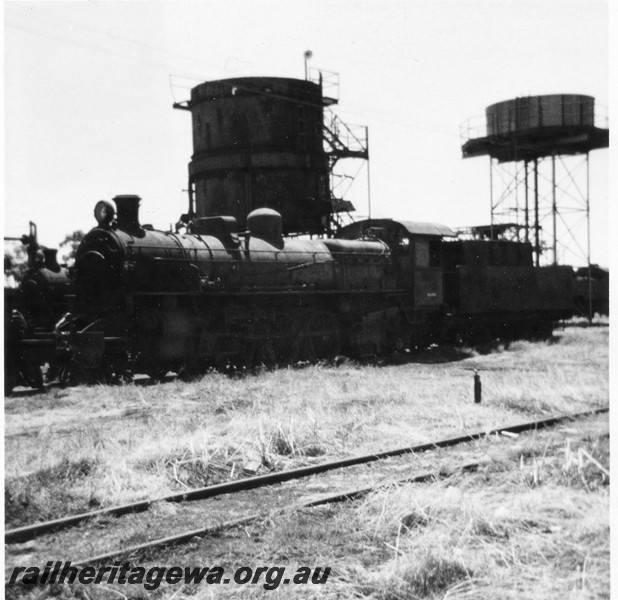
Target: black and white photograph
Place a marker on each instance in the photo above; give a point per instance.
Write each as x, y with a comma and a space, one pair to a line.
307, 299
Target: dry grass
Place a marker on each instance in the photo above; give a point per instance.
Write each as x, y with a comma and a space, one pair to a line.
505, 534
532, 523
71, 450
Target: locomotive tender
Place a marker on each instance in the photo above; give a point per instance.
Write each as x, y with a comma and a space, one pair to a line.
151, 301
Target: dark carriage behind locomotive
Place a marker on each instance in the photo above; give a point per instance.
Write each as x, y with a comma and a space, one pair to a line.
591, 291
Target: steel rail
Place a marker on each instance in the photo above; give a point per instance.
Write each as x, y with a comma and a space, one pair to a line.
28, 532
187, 536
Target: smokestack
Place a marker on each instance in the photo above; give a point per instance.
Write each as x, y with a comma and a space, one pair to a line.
51, 260
127, 210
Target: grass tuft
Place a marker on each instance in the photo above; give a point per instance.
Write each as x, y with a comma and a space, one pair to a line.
484, 527
425, 575
415, 519
433, 574
43, 493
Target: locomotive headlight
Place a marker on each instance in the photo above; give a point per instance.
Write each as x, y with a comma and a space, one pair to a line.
104, 213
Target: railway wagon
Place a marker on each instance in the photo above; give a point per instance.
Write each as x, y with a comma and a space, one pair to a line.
591, 291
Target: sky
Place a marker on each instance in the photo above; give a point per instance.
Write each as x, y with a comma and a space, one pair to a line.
89, 87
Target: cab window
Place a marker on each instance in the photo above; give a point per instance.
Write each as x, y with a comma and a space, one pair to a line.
421, 252
435, 258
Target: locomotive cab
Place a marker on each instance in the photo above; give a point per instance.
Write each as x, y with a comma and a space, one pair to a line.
417, 254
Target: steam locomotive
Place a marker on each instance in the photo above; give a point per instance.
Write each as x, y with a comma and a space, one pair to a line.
149, 301
31, 311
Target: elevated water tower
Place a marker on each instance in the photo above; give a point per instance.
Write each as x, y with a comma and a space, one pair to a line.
270, 142
539, 171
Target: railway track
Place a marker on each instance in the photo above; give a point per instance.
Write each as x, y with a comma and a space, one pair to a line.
188, 536
30, 532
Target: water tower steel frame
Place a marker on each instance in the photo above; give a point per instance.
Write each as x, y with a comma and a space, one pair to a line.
543, 144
